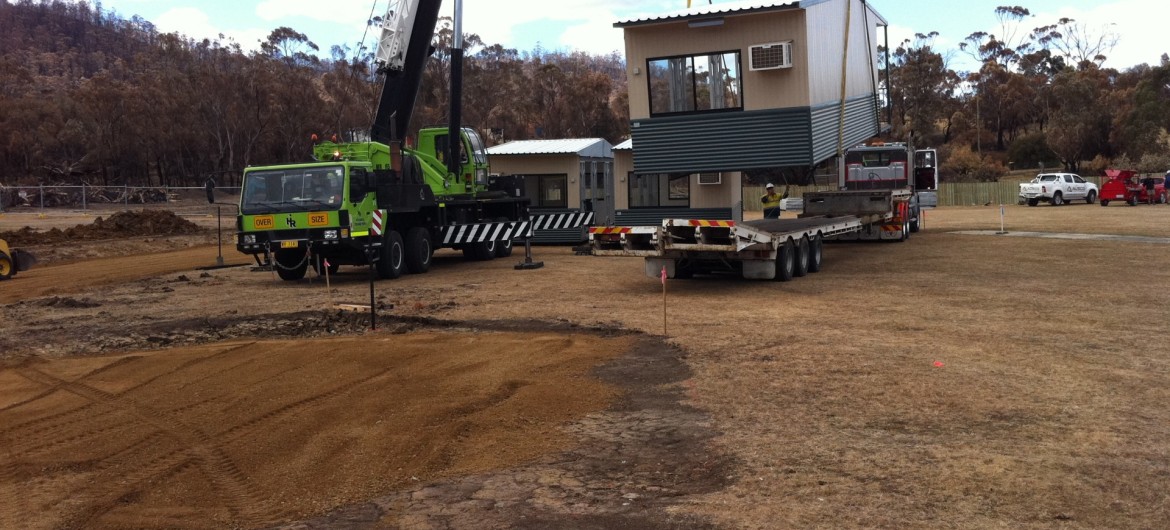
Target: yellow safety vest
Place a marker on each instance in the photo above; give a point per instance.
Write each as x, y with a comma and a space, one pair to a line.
771, 200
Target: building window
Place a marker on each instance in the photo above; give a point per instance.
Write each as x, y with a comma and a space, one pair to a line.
695, 83
659, 190
547, 191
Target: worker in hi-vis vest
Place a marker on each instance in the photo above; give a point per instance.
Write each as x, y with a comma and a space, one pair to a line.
771, 202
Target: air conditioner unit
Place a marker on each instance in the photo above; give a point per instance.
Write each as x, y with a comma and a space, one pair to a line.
710, 178
771, 56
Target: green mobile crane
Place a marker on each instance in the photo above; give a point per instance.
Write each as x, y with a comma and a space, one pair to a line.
371, 199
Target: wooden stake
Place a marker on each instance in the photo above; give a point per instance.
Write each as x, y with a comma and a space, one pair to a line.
328, 289
664, 301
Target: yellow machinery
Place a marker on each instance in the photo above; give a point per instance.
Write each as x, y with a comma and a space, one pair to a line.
13, 260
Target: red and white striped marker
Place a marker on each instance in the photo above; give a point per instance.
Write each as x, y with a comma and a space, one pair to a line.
376, 227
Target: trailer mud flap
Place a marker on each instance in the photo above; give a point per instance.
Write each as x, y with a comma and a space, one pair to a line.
754, 269
654, 267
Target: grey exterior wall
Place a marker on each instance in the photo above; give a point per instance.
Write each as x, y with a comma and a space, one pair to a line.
861, 124
734, 141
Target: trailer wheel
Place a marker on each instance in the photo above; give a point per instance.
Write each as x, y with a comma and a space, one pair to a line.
801, 266
814, 254
291, 264
418, 250
7, 266
1132, 201
391, 262
786, 261
1033, 202
1104, 202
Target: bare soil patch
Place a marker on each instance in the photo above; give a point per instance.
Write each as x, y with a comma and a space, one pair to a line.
948, 381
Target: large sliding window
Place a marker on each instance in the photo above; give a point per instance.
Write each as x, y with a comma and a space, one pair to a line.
659, 190
695, 83
547, 191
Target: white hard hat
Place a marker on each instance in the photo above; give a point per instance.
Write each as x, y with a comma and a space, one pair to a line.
769, 185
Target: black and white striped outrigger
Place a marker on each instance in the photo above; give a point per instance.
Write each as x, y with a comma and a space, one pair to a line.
478, 233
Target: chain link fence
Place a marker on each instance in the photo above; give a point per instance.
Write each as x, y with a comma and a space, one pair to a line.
85, 197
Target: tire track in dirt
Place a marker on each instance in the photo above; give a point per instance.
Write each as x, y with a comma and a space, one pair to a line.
48, 432
103, 501
110, 465
239, 495
239, 431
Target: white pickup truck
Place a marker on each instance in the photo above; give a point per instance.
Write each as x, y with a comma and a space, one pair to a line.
1058, 189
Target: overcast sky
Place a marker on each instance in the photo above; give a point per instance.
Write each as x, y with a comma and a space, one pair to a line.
588, 24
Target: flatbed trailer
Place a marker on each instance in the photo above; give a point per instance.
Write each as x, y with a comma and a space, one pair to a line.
886, 214
762, 249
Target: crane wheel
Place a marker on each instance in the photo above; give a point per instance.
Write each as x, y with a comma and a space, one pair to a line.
482, 251
291, 264
418, 250
503, 248
392, 262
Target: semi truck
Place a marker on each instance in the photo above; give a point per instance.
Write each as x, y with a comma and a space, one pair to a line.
371, 199
876, 200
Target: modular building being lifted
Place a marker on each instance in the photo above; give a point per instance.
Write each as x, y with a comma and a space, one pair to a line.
759, 85
751, 85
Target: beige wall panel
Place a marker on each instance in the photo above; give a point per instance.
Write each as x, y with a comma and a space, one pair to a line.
761, 90
623, 164
543, 165
826, 40
723, 195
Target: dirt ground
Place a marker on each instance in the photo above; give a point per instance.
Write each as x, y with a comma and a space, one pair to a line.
954, 380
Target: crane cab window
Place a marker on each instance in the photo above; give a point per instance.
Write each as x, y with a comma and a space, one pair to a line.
443, 149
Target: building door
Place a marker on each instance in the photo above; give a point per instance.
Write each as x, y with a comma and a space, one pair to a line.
597, 190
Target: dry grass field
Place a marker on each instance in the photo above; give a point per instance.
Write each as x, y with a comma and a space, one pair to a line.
951, 381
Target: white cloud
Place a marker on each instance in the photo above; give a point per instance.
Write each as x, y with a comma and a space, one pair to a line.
195, 24
336, 11
588, 23
594, 39
188, 21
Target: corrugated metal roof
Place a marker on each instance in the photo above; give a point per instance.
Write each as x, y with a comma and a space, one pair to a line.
702, 10
625, 146
592, 147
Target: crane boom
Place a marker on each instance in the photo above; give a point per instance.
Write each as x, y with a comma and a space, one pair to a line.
396, 29
403, 49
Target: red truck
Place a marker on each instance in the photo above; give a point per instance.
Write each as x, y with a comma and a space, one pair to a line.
1125, 185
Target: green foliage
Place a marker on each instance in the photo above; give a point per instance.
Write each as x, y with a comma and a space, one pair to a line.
1031, 151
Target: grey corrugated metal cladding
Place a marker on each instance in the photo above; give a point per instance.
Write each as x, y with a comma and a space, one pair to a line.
748, 140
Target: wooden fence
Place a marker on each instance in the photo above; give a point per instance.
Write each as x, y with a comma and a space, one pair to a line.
949, 193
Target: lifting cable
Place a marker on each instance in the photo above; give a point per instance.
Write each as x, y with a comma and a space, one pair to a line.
844, 70
361, 44
872, 75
